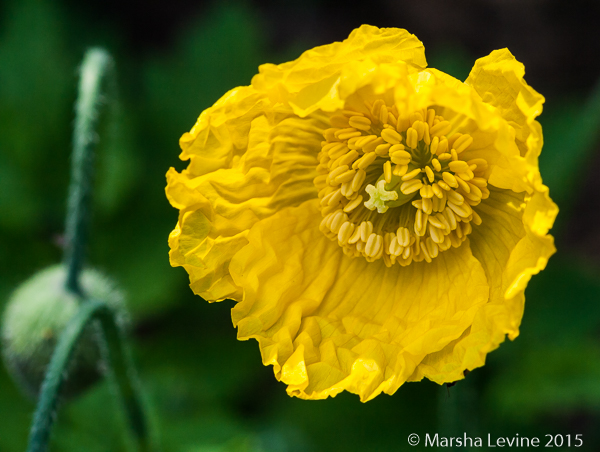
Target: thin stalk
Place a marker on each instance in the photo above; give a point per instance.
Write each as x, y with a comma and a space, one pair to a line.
117, 359
96, 73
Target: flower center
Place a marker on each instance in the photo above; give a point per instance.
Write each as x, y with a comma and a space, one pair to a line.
396, 187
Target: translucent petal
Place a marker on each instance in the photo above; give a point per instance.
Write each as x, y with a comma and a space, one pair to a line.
511, 244
260, 160
328, 322
314, 76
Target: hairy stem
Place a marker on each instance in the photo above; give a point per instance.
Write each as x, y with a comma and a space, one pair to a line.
118, 361
97, 72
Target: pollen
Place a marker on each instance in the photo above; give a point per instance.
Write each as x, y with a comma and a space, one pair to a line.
396, 185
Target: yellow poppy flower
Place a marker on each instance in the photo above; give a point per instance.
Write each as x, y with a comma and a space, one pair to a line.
376, 221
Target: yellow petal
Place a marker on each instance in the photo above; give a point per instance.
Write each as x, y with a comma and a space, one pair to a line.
313, 77
248, 160
512, 244
328, 322
498, 79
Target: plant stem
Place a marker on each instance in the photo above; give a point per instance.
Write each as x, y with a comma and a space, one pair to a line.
97, 67
117, 359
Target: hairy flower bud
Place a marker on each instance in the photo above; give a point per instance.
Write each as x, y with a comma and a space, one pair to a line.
34, 319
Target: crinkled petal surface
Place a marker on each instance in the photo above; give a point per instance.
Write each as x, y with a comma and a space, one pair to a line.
247, 161
249, 221
328, 322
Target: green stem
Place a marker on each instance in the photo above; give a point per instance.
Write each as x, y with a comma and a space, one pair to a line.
117, 359
96, 68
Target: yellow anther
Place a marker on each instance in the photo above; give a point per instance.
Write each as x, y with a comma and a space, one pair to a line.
476, 219
444, 185
335, 198
463, 211
336, 149
463, 143
443, 146
374, 243
348, 158
479, 181
437, 191
400, 157
392, 118
396, 147
325, 199
360, 122
402, 124
432, 247
426, 136
436, 234
411, 186
400, 170
345, 232
445, 156
455, 197
430, 174
338, 219
475, 190
416, 116
427, 205
347, 189
449, 179
453, 138
383, 114
441, 128
468, 175
462, 184
435, 142
412, 174
358, 180
482, 164
337, 171
344, 134
352, 142
353, 204
366, 229
329, 134
365, 161
391, 136
435, 221
325, 149
458, 166
387, 172
426, 191
362, 141
338, 121
345, 177
376, 107
436, 165
350, 113
419, 126
371, 145
454, 155
450, 217
382, 149
403, 236
430, 117
411, 138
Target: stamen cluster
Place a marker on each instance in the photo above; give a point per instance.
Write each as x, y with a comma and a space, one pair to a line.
394, 186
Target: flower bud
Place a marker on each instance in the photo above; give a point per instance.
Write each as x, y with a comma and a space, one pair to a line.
35, 316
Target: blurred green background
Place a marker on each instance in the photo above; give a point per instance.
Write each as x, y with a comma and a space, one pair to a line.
206, 390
